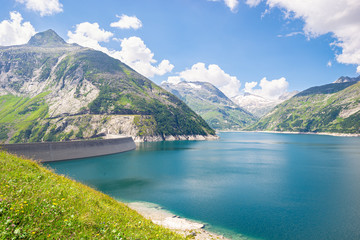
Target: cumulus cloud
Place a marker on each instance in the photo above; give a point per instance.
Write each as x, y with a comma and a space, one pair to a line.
339, 17
213, 74
133, 50
14, 31
44, 7
173, 80
232, 4
253, 3
127, 22
137, 55
249, 86
89, 35
268, 89
329, 64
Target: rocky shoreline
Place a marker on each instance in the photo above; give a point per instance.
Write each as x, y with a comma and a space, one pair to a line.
307, 133
180, 225
159, 138
318, 133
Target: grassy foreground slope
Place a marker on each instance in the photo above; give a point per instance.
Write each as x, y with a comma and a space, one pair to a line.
35, 203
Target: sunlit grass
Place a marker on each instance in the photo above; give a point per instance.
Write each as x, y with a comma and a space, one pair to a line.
36, 203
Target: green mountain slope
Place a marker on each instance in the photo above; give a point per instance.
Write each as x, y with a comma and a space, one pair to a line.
333, 108
211, 104
59, 84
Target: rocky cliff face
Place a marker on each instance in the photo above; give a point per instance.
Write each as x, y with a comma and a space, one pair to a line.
53, 91
333, 108
210, 103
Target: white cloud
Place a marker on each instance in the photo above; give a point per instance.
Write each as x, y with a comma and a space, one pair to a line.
291, 34
329, 64
89, 35
358, 70
229, 85
44, 7
268, 89
232, 4
133, 50
249, 86
173, 80
253, 3
14, 32
137, 55
127, 22
339, 17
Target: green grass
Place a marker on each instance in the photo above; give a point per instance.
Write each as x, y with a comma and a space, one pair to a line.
36, 203
20, 113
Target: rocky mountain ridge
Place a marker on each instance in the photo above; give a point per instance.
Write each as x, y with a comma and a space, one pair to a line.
54, 91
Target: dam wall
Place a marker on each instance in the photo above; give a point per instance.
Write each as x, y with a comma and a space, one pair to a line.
58, 151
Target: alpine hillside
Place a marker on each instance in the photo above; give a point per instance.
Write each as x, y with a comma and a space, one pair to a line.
54, 91
331, 108
211, 104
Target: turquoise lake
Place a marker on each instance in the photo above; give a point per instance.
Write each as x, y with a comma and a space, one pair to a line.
244, 185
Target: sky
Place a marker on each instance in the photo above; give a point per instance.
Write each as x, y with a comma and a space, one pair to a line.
267, 47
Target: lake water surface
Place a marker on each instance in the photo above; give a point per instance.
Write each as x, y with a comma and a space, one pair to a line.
252, 185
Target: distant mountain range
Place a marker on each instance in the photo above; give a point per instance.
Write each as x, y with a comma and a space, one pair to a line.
54, 91
259, 106
333, 108
212, 104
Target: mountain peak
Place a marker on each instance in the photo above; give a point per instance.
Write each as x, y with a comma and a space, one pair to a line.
48, 38
347, 79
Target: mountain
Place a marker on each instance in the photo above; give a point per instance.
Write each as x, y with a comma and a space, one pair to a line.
212, 104
333, 108
54, 91
345, 79
260, 106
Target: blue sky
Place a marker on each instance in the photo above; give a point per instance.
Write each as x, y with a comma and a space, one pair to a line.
247, 43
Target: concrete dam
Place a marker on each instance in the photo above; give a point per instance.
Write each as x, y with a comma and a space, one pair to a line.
58, 151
